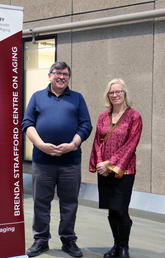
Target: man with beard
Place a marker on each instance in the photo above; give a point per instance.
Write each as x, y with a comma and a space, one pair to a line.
56, 122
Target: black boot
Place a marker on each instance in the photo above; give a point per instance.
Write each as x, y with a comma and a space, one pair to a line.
124, 252
114, 251
124, 232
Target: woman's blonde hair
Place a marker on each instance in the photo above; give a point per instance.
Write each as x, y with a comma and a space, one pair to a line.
108, 103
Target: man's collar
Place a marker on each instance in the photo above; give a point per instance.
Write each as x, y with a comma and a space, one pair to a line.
66, 91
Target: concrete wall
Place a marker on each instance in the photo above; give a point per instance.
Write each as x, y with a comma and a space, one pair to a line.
133, 51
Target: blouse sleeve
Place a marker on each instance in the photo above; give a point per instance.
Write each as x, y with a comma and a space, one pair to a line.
96, 151
120, 160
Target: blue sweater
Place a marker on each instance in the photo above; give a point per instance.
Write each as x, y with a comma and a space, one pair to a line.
57, 120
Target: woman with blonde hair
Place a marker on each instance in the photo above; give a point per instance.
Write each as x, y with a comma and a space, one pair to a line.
113, 158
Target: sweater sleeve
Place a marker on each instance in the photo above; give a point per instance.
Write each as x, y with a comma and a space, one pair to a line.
84, 122
30, 114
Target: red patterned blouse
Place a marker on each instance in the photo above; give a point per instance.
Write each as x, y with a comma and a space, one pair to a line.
118, 151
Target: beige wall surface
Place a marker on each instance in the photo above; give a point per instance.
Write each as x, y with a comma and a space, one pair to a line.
158, 133
94, 5
7, 2
160, 4
39, 9
134, 52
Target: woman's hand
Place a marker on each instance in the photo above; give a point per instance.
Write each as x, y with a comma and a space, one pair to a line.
102, 169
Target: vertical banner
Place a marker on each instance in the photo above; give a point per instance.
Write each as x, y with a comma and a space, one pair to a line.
12, 236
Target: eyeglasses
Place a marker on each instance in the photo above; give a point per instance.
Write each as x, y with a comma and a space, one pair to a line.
61, 74
117, 93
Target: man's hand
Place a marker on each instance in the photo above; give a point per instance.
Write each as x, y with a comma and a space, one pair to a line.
57, 150
65, 148
50, 149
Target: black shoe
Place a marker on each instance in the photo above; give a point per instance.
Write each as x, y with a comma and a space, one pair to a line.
37, 248
72, 249
113, 252
124, 252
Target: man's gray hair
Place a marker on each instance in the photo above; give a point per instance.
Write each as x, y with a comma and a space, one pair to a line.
60, 65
